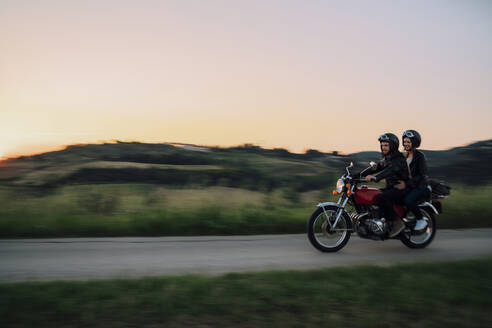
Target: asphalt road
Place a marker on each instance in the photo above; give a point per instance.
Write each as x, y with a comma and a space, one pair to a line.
88, 258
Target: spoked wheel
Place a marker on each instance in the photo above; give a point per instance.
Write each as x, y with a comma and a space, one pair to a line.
422, 234
322, 232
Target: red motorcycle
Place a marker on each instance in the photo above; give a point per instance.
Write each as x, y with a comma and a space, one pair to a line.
331, 225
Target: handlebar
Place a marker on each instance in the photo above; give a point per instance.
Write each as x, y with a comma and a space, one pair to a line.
357, 180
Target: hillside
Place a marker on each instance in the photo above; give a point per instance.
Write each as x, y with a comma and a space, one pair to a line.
247, 166
469, 164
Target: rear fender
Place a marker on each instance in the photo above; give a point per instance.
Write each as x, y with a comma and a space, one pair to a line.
431, 207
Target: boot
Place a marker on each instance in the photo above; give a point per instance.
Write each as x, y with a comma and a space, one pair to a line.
398, 227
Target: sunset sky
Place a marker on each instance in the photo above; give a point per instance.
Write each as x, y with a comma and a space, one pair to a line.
328, 75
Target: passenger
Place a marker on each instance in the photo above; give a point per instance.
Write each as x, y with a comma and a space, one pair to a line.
394, 169
417, 166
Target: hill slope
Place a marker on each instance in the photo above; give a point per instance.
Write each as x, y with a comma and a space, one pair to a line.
246, 166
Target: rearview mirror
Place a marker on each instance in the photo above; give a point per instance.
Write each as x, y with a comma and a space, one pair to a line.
351, 165
372, 164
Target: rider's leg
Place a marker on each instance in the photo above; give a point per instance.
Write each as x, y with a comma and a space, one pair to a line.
411, 201
386, 201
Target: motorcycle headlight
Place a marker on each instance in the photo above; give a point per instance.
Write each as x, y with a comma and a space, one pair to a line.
340, 185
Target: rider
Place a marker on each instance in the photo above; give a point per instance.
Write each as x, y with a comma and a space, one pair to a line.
417, 183
394, 169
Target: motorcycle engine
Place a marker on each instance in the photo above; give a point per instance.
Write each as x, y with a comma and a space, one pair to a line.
377, 226
368, 224
359, 223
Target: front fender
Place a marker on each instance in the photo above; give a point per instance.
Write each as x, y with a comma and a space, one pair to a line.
329, 204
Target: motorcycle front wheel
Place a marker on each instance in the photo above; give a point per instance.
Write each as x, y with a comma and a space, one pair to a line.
322, 233
421, 238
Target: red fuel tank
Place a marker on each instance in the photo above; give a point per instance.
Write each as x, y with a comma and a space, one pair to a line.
366, 195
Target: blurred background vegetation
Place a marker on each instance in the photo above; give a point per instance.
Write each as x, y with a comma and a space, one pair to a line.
137, 189
449, 294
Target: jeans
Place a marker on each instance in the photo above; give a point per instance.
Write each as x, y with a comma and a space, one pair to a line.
387, 199
412, 199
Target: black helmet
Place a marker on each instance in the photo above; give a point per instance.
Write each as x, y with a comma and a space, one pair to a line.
392, 139
414, 137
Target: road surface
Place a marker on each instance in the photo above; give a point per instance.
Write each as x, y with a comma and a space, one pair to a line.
88, 258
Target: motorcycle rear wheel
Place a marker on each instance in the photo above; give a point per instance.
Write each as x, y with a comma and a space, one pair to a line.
326, 238
422, 240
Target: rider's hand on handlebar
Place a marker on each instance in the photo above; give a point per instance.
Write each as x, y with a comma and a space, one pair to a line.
370, 178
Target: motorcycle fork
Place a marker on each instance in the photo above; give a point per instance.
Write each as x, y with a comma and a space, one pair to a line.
339, 211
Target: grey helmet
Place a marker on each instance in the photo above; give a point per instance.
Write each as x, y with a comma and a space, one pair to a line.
392, 139
414, 136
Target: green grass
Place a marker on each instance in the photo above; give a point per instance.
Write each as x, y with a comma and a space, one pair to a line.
453, 294
146, 210
151, 210
467, 207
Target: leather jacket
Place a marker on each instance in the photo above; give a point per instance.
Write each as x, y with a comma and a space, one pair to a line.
392, 167
418, 171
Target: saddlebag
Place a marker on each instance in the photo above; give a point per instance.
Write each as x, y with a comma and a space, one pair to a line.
439, 188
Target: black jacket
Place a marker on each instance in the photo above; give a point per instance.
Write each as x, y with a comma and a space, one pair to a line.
418, 170
392, 167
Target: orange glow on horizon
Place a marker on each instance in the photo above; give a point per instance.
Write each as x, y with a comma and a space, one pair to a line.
31, 150
330, 76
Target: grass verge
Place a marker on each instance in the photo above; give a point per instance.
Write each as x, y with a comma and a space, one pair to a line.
151, 210
452, 294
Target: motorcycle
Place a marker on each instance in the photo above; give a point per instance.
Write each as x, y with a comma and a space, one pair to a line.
331, 224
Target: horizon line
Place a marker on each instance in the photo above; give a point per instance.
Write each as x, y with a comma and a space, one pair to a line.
115, 141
